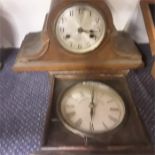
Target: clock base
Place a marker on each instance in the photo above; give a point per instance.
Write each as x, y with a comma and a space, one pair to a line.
117, 150
130, 138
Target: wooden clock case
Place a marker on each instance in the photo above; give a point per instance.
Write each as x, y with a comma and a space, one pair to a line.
149, 19
128, 139
109, 63
42, 52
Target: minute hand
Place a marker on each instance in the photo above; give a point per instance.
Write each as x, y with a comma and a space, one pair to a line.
92, 105
80, 30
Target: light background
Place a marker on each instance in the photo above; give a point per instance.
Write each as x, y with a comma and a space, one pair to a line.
17, 18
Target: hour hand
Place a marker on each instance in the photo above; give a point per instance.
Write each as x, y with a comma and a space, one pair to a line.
81, 30
91, 113
92, 105
92, 98
91, 126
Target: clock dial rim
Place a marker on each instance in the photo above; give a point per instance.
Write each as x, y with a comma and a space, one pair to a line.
93, 134
102, 37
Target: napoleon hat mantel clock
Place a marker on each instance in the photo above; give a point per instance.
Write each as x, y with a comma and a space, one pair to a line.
91, 110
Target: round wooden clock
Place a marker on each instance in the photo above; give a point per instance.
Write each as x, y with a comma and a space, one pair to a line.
80, 28
91, 110
75, 34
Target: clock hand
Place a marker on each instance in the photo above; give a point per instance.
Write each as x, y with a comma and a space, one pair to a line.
91, 126
92, 106
91, 122
67, 36
81, 30
91, 32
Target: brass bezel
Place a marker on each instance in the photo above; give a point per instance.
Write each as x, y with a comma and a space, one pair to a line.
72, 5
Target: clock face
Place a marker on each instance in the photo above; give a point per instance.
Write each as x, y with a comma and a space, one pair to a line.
91, 108
80, 29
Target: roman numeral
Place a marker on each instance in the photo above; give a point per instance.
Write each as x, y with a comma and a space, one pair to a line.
78, 122
80, 11
106, 127
62, 29
113, 119
71, 114
109, 101
62, 20
70, 106
79, 46
71, 13
114, 109
91, 127
90, 13
97, 20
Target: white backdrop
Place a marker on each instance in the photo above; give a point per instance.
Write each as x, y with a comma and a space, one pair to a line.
19, 17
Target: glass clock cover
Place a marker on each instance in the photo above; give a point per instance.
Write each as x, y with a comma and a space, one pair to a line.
91, 108
80, 29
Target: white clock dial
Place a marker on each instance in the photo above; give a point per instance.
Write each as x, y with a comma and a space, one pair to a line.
91, 108
80, 29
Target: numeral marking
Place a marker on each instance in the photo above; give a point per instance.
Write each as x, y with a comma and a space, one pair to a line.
106, 127
114, 109
69, 106
91, 127
113, 119
71, 114
95, 37
64, 37
71, 13
88, 44
67, 36
79, 46
109, 101
78, 123
62, 20
80, 11
62, 29
90, 13
97, 20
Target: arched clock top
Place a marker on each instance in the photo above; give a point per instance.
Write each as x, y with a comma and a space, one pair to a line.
58, 7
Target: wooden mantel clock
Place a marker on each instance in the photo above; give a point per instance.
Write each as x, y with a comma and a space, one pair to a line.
91, 110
